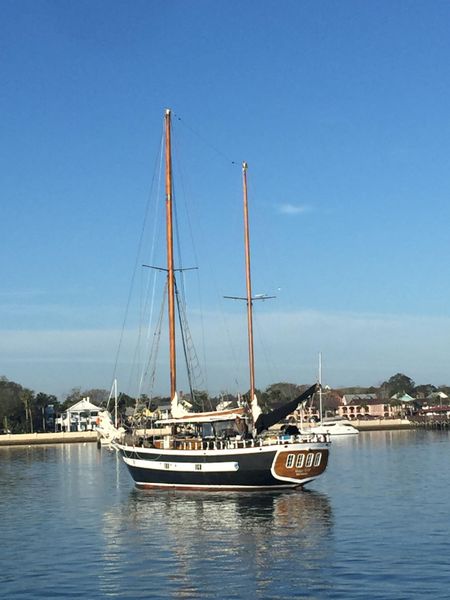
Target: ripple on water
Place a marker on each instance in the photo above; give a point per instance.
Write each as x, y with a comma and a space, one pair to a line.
375, 526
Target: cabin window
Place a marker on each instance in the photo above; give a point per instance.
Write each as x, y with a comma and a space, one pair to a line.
207, 430
300, 461
309, 460
290, 461
317, 459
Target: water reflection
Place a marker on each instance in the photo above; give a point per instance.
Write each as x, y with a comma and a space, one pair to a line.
190, 542
380, 524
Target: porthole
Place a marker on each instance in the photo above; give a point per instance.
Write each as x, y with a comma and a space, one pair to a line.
300, 461
290, 461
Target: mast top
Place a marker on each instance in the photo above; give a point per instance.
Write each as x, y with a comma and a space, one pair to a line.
244, 166
168, 111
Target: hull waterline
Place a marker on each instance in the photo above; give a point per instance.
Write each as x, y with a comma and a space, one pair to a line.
274, 466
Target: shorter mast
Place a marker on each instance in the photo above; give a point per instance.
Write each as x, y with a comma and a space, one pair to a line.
320, 388
251, 360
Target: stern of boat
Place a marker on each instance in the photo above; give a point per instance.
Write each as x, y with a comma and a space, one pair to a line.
300, 465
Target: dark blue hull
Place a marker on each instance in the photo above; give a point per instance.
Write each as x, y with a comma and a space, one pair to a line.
240, 469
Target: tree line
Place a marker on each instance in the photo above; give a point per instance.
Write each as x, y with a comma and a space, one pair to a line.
24, 411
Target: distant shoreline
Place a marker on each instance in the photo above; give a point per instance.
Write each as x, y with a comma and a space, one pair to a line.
33, 439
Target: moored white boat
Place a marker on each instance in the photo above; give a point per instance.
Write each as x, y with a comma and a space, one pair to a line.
107, 429
107, 433
333, 427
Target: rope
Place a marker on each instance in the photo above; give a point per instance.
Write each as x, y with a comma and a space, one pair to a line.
138, 254
207, 142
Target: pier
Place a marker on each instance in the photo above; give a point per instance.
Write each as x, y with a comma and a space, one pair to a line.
435, 422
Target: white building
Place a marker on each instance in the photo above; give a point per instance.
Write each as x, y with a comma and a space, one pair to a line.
82, 416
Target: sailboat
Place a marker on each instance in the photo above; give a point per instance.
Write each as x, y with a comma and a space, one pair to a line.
107, 427
232, 449
331, 426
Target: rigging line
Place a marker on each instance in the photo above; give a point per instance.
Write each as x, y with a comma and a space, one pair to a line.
153, 246
138, 351
207, 143
212, 276
140, 243
152, 360
175, 207
177, 238
148, 340
192, 362
260, 335
187, 212
184, 344
202, 329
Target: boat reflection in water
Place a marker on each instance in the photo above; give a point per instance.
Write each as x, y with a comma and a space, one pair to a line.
188, 544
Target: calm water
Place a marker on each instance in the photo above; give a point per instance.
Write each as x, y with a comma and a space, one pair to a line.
375, 526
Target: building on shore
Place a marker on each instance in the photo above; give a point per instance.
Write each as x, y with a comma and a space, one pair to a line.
81, 416
360, 406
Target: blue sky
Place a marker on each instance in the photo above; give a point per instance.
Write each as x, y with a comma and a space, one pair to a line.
340, 109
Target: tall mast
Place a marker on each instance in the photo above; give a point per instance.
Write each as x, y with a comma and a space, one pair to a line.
249, 285
170, 269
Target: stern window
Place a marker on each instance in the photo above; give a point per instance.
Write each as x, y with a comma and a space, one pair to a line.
290, 461
300, 461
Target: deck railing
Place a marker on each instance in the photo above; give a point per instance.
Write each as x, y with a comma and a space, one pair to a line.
195, 444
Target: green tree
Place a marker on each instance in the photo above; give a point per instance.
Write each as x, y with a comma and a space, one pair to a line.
12, 413
282, 392
424, 390
97, 396
41, 401
27, 397
72, 397
398, 384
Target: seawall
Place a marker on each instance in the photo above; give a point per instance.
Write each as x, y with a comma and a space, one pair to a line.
382, 424
28, 439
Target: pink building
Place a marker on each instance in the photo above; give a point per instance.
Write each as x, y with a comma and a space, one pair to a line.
359, 406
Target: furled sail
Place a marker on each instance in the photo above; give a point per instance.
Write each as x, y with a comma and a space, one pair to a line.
255, 408
177, 409
264, 421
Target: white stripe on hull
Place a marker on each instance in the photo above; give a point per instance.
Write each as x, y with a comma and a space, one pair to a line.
158, 465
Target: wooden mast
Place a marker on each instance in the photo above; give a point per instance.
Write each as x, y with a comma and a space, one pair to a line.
249, 285
170, 268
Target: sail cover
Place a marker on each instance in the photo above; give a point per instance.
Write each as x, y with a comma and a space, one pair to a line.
275, 416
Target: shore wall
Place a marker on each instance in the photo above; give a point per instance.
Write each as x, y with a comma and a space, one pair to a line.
382, 424
28, 439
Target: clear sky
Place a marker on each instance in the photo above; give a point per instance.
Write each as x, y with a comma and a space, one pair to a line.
341, 110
